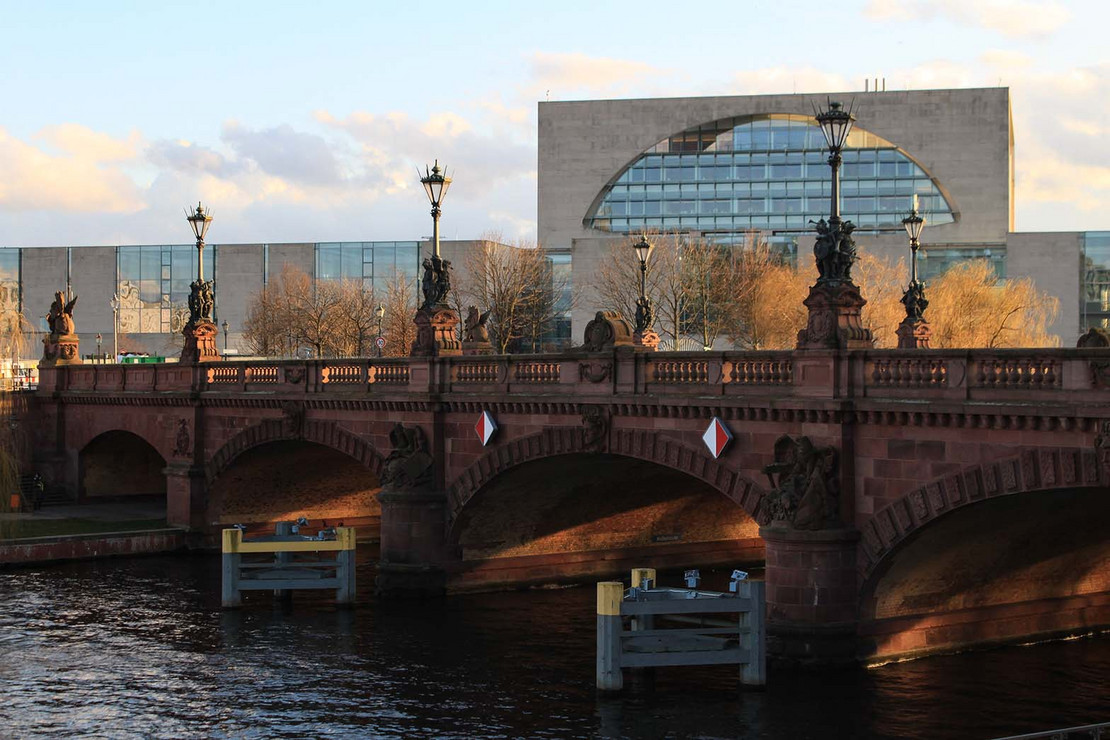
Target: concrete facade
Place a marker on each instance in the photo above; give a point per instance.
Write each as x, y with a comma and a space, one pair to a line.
962, 138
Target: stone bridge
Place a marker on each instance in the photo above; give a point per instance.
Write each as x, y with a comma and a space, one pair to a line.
968, 500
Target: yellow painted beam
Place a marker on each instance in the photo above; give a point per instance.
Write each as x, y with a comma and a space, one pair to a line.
344, 540
609, 597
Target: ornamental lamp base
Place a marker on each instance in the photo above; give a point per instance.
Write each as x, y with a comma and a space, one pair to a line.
646, 340
436, 333
200, 343
913, 334
834, 318
59, 350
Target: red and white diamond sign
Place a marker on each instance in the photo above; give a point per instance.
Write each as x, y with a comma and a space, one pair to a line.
485, 427
716, 437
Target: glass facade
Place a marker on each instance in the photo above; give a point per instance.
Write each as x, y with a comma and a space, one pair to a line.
1094, 285
767, 173
153, 285
932, 262
10, 298
564, 302
372, 263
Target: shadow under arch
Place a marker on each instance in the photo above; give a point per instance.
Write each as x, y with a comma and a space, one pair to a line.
325, 433
550, 507
119, 462
1001, 551
274, 471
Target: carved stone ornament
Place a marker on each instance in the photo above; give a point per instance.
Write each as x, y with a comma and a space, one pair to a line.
1100, 373
435, 333
1102, 448
595, 372
183, 442
595, 434
293, 374
60, 317
805, 486
835, 251
1094, 338
409, 466
608, 329
61, 345
475, 326
200, 342
834, 318
292, 419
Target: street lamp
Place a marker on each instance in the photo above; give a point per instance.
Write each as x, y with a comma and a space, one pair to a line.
115, 326
380, 313
436, 183
914, 331
644, 312
99, 356
225, 338
199, 221
835, 250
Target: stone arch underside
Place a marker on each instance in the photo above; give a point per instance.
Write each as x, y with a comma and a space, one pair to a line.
1005, 550
549, 507
120, 463
272, 472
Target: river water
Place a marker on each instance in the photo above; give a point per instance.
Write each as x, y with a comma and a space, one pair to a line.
139, 648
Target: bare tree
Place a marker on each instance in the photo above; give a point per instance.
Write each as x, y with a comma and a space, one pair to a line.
516, 284
882, 283
398, 326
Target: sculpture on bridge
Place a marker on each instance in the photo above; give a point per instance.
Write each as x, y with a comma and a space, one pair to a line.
1095, 337
805, 488
476, 334
607, 330
60, 346
410, 465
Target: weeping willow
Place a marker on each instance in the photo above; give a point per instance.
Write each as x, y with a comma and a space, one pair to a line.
14, 334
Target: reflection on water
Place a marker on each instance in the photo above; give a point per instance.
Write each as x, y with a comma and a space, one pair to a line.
139, 648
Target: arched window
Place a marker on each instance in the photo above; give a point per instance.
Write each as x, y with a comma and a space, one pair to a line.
764, 173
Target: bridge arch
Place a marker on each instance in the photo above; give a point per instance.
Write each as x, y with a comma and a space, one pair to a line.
1010, 548
277, 470
638, 444
119, 463
325, 433
1035, 469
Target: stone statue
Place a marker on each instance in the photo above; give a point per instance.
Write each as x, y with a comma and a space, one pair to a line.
915, 302
476, 330
436, 282
608, 329
60, 318
1095, 337
201, 301
645, 314
410, 465
805, 488
835, 250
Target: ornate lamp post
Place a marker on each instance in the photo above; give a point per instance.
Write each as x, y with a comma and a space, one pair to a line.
914, 331
435, 320
200, 332
380, 313
115, 304
644, 336
99, 356
835, 302
225, 338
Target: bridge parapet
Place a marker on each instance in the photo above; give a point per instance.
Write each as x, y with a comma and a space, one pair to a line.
984, 375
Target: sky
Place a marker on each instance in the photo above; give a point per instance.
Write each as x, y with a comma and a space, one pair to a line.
308, 121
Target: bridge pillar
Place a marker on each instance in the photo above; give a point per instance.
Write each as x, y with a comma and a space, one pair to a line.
413, 543
812, 596
185, 496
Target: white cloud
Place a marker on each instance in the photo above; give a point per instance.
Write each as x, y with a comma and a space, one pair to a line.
1014, 18
567, 76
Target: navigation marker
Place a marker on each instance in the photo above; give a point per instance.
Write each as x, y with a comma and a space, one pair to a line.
485, 427
716, 437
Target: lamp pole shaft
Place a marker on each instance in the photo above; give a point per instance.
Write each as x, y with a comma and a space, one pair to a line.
913, 261
379, 344
643, 279
200, 260
115, 331
435, 229
834, 163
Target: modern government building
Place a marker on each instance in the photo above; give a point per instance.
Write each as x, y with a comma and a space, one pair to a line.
717, 167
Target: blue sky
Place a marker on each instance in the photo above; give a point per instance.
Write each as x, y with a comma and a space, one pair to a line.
306, 121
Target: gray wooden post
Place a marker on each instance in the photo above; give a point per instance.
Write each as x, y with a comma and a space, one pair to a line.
609, 597
345, 571
230, 595
754, 672
283, 529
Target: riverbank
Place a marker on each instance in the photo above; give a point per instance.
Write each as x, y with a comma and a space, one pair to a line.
87, 530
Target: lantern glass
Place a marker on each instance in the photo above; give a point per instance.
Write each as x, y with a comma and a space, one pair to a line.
436, 184
643, 250
379, 311
199, 221
836, 124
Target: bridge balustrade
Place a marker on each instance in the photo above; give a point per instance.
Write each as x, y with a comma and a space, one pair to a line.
987, 375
